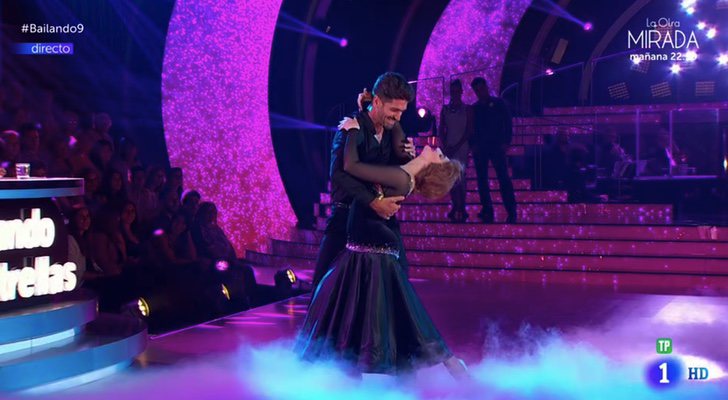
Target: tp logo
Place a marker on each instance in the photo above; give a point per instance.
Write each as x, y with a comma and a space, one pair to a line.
664, 346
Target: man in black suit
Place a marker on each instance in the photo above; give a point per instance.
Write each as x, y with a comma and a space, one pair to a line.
380, 140
493, 131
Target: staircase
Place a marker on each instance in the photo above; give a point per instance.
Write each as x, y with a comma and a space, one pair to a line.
609, 243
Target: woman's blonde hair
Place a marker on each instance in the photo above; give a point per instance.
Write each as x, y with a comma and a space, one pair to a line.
436, 180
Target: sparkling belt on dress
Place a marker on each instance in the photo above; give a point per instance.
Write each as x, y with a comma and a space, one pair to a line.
362, 248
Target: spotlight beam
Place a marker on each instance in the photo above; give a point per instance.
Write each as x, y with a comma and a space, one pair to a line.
294, 25
280, 121
551, 8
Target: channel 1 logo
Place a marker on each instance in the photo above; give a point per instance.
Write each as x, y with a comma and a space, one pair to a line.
667, 372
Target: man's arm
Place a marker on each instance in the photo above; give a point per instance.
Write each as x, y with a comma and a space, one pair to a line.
443, 130
384, 207
349, 184
507, 123
402, 151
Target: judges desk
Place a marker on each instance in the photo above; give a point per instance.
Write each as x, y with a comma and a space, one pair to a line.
51, 333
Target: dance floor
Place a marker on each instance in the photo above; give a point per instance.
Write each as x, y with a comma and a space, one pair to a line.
521, 340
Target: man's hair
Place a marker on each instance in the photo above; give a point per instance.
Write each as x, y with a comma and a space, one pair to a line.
477, 82
393, 86
456, 82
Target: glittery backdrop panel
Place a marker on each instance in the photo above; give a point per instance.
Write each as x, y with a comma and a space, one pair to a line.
215, 109
471, 35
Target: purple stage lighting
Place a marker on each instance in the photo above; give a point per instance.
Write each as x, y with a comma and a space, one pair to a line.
723, 59
688, 4
691, 55
422, 112
343, 42
222, 265
701, 25
471, 39
588, 26
549, 71
203, 101
675, 68
636, 60
712, 32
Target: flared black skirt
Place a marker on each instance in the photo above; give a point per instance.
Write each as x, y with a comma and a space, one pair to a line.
366, 313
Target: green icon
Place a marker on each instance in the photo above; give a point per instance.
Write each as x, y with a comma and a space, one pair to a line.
664, 346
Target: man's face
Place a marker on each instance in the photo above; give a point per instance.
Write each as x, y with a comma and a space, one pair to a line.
481, 91
456, 92
390, 111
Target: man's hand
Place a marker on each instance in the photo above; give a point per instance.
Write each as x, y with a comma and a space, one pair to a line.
409, 147
386, 207
364, 96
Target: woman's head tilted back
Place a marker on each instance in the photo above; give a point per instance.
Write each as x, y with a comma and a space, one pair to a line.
437, 178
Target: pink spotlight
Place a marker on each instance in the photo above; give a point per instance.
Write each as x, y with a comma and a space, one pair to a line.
422, 112
712, 32
691, 55
723, 59
588, 26
701, 25
343, 42
675, 69
549, 71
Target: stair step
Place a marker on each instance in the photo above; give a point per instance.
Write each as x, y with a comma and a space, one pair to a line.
616, 264
472, 184
473, 198
552, 212
110, 341
634, 233
597, 248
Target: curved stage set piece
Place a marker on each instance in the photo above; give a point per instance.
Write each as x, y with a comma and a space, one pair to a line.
51, 334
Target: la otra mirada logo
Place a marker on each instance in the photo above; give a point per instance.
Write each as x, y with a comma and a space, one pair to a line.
661, 40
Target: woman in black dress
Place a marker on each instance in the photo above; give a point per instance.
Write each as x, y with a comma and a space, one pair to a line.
365, 312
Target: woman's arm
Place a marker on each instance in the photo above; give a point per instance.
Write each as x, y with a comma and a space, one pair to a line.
390, 176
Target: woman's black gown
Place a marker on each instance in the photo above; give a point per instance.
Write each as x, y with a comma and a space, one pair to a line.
365, 312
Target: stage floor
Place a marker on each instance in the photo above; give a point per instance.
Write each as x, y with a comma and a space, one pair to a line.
521, 340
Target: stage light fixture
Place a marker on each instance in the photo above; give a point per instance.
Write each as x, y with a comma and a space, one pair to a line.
675, 68
588, 26
712, 32
222, 265
723, 59
704, 88
143, 307
687, 4
661, 89
701, 25
619, 91
343, 42
422, 112
549, 71
291, 275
